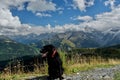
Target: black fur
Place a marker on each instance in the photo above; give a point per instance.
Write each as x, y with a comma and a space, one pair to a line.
55, 69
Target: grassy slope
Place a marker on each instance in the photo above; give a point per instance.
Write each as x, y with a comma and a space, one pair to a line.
10, 49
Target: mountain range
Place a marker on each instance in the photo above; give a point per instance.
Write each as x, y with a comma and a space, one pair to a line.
86, 38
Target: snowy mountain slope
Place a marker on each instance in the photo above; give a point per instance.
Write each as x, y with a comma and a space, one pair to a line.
85, 37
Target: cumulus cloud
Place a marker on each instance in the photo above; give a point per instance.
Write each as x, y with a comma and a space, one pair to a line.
43, 15
57, 29
19, 4
83, 18
11, 24
105, 21
100, 22
111, 3
41, 5
83, 4
6, 18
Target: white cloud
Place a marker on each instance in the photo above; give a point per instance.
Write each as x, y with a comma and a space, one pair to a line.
106, 20
11, 24
83, 4
43, 15
80, 4
101, 22
83, 18
111, 3
60, 10
6, 18
48, 29
19, 4
41, 5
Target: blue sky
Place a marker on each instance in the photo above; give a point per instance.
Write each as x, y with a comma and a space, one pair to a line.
62, 16
38, 16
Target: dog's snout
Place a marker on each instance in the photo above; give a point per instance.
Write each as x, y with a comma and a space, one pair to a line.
41, 51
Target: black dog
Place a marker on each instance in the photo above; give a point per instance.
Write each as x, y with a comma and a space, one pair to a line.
55, 69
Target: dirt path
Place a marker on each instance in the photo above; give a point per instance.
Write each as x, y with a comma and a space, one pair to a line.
95, 74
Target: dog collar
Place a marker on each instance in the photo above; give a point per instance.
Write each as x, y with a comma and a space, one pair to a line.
54, 53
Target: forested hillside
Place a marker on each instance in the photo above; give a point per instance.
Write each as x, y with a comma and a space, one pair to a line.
11, 51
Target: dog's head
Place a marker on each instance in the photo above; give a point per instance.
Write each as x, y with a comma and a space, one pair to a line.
48, 51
